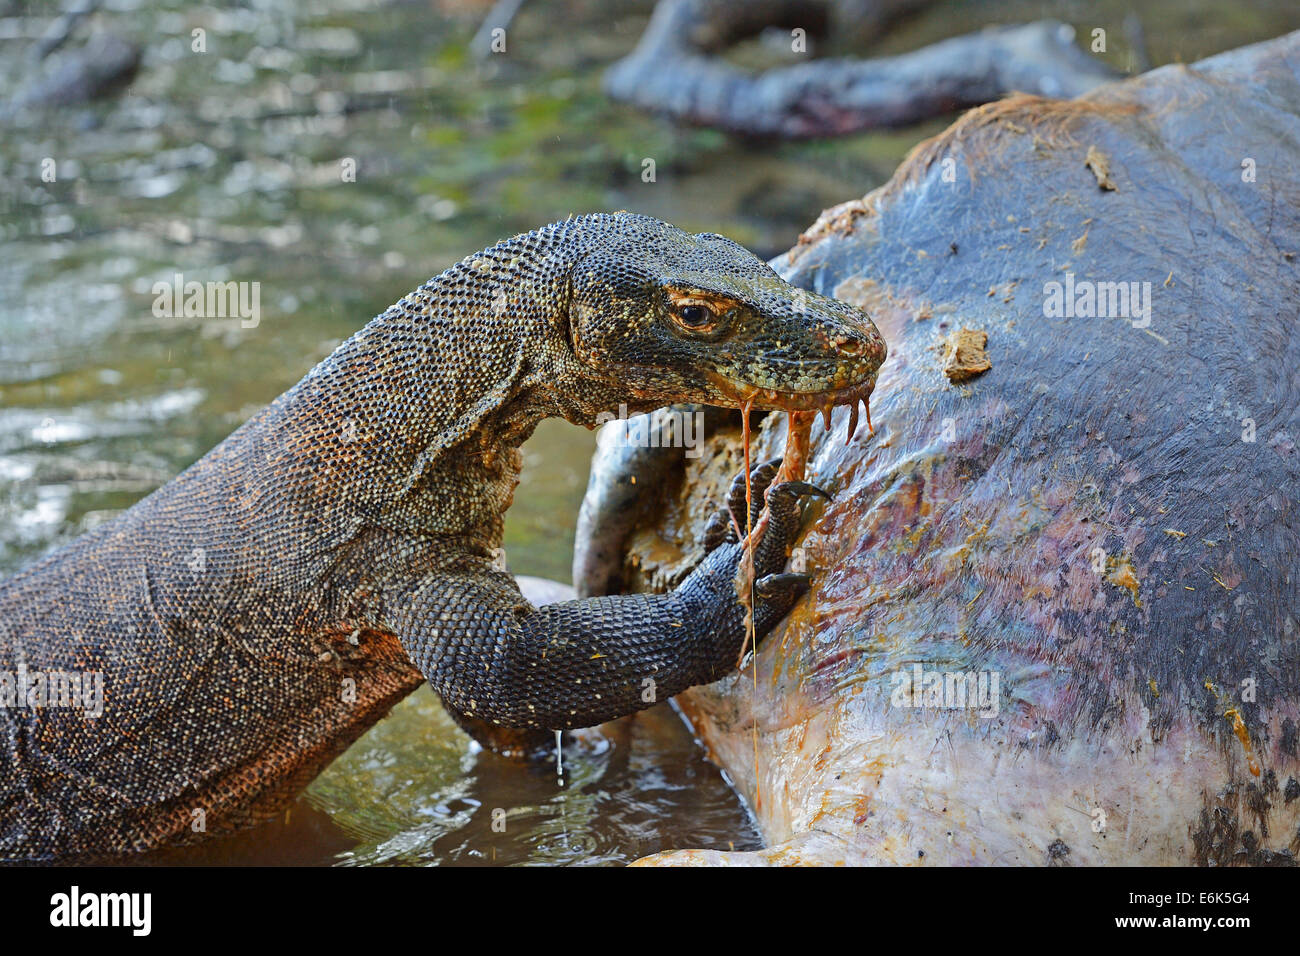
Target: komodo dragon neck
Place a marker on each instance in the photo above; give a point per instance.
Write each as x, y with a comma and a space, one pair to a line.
435, 395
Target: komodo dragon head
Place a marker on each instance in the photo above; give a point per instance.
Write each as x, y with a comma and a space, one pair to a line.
671, 316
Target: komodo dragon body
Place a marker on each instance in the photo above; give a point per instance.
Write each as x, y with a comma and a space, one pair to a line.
258, 613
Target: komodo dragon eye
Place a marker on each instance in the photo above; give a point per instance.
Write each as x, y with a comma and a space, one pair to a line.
694, 315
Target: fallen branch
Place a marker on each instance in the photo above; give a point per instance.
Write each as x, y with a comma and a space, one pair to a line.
670, 73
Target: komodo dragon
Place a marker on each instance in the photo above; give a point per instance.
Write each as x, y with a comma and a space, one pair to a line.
258, 613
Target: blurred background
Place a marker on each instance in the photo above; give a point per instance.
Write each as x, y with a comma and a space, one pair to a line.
128, 155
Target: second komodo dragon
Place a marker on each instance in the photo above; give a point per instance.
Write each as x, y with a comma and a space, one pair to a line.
255, 615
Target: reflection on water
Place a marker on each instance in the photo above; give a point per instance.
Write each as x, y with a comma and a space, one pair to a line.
416, 791
631, 787
339, 153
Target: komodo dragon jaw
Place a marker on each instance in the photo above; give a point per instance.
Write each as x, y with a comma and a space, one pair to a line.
259, 612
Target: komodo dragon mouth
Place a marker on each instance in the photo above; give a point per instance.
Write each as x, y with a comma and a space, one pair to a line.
822, 401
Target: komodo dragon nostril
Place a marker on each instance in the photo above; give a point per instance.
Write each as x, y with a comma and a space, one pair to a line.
848, 344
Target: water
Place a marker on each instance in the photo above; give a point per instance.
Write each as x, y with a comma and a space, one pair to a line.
235, 164
415, 791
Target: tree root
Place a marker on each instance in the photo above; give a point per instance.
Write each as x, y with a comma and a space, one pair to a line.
671, 72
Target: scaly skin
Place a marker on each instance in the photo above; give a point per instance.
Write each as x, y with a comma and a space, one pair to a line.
254, 616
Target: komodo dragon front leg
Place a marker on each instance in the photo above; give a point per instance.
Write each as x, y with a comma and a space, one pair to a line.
511, 674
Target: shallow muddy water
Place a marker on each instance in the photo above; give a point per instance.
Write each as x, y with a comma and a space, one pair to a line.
416, 791
338, 153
